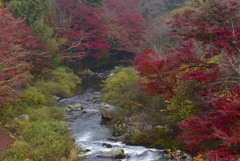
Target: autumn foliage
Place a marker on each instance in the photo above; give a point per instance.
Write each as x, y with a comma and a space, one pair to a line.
216, 134
204, 57
125, 24
180, 65
20, 52
85, 31
79, 30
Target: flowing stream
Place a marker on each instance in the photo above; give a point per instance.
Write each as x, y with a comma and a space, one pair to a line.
90, 132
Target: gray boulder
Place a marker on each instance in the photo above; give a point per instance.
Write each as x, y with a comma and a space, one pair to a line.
74, 107
115, 153
110, 112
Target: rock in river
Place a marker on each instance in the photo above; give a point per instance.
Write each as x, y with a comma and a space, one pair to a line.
74, 107
110, 112
115, 153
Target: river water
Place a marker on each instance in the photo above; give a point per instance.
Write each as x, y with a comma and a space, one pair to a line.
90, 132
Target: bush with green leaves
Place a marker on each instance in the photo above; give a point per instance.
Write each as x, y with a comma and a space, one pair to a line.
41, 132
157, 138
44, 136
40, 141
33, 96
121, 89
59, 82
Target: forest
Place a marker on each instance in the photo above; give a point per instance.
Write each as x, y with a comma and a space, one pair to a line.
181, 91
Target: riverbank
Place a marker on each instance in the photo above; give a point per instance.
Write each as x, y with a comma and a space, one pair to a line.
39, 127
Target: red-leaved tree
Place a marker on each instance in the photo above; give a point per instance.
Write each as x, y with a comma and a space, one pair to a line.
215, 25
20, 53
217, 133
180, 64
206, 36
80, 30
125, 23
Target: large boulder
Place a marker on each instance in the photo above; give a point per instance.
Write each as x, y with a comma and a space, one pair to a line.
74, 107
115, 153
110, 112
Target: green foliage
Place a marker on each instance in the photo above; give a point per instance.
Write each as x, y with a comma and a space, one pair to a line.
119, 81
51, 7
45, 32
32, 96
121, 89
29, 10
44, 136
181, 106
35, 13
45, 140
217, 59
142, 138
44, 113
157, 138
41, 133
59, 82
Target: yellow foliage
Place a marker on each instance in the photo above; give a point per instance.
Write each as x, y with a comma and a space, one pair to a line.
62, 41
52, 45
186, 7
20, 143
199, 158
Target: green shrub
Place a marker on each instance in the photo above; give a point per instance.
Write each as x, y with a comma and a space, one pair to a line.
157, 138
59, 82
121, 89
41, 141
42, 137
32, 96
44, 134
46, 113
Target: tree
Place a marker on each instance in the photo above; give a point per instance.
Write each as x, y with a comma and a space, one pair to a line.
30, 11
80, 31
125, 23
35, 14
20, 52
180, 64
217, 133
214, 22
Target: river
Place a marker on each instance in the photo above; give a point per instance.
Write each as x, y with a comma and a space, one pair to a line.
90, 132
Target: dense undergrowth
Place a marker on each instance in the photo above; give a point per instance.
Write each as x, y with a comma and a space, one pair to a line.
40, 130
161, 122
146, 112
